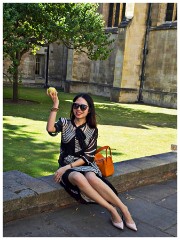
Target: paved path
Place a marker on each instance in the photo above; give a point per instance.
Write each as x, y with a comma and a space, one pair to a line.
154, 209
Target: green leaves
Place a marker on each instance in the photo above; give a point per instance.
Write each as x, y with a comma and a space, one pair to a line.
77, 25
27, 26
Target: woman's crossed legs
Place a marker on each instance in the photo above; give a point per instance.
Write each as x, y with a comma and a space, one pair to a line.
94, 188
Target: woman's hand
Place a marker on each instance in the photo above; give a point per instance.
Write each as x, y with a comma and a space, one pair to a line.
60, 172
55, 99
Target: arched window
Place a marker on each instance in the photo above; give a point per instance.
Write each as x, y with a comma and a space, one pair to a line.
110, 18
171, 12
40, 65
37, 69
116, 14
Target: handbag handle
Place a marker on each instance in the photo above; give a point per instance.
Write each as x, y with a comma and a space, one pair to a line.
104, 148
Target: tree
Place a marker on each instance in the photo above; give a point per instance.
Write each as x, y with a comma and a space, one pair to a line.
27, 26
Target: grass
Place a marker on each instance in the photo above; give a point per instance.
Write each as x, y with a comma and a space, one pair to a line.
132, 130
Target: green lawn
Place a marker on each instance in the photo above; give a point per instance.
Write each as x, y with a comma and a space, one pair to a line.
132, 130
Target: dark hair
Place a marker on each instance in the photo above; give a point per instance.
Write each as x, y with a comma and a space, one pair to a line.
91, 117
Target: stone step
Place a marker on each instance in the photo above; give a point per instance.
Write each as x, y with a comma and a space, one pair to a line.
24, 195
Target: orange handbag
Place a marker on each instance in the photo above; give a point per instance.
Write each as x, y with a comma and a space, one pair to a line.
105, 164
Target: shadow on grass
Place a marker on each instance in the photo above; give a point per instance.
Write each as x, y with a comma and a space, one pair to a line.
22, 152
107, 114
117, 115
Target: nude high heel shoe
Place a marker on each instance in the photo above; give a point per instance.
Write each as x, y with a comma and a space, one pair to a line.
119, 225
131, 226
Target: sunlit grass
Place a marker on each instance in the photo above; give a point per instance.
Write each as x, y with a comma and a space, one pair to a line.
128, 143
131, 130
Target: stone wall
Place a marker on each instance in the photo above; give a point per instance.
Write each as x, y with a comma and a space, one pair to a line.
57, 64
27, 67
134, 41
160, 86
84, 75
119, 76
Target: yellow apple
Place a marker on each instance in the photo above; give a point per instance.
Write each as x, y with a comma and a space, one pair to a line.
51, 90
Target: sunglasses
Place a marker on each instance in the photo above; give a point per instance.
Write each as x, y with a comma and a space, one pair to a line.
83, 107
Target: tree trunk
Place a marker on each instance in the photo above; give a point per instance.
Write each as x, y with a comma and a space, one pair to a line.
15, 84
16, 77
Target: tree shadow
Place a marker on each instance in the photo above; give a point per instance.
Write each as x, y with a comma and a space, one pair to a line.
24, 153
108, 113
117, 115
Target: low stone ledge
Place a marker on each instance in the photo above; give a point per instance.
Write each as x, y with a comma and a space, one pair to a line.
24, 195
143, 171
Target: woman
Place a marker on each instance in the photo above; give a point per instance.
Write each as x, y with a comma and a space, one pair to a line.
78, 173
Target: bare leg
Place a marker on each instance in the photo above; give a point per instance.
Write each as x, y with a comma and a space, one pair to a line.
107, 193
79, 180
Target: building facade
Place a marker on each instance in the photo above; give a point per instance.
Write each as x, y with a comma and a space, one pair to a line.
141, 68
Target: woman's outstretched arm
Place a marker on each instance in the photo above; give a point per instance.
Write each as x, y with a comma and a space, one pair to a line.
52, 117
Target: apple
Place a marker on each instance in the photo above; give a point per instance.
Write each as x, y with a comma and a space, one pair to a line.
51, 90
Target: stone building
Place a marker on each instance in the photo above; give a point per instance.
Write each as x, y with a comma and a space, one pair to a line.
141, 68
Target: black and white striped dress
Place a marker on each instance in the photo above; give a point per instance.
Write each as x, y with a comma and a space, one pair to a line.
77, 142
